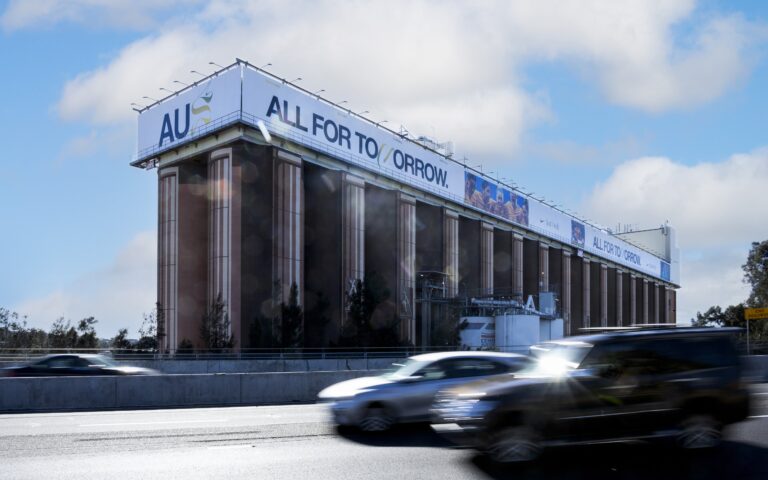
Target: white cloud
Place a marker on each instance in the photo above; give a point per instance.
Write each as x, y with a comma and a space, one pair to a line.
718, 209
117, 295
711, 277
448, 69
129, 14
709, 204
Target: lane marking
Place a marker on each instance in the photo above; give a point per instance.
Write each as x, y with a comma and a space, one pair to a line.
126, 424
758, 416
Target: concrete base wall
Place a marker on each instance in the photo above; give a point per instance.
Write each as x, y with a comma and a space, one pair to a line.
163, 391
254, 366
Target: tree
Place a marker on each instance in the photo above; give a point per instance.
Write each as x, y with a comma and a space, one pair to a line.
14, 333
120, 341
148, 332
214, 329
316, 319
160, 326
185, 347
87, 336
756, 274
291, 321
732, 316
62, 334
362, 302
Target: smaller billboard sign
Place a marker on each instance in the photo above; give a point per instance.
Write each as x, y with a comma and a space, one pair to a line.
755, 313
493, 199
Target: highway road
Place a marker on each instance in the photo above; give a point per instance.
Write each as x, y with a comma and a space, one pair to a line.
298, 442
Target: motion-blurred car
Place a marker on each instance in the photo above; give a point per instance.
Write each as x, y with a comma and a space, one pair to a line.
406, 393
74, 365
683, 383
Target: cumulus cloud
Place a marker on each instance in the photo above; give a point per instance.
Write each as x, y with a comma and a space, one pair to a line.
117, 295
717, 209
447, 69
709, 204
711, 277
129, 14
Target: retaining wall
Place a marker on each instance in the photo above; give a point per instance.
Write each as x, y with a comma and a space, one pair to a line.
252, 366
160, 391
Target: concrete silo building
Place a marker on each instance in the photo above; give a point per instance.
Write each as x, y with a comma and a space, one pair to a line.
263, 185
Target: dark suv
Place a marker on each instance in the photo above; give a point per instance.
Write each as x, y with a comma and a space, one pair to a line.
683, 383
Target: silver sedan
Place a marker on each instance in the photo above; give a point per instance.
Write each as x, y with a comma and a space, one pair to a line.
406, 393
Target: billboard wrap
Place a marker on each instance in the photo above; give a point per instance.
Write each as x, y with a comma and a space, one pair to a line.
190, 113
291, 113
244, 94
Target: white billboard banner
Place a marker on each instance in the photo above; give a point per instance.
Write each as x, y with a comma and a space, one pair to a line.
291, 113
242, 93
189, 114
483, 194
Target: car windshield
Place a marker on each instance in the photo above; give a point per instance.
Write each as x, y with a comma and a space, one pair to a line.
404, 369
557, 358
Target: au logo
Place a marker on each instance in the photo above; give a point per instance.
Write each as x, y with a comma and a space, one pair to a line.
196, 115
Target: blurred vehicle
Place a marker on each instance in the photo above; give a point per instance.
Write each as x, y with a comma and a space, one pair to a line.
406, 393
74, 364
683, 383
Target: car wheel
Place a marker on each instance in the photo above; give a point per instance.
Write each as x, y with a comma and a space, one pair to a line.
515, 444
376, 419
700, 431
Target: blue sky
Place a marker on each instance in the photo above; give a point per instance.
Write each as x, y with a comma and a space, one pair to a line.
627, 112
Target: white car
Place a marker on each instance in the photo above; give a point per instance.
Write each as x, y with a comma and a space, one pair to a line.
406, 393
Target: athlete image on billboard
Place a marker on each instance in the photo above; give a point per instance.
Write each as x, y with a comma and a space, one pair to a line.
516, 207
577, 233
472, 196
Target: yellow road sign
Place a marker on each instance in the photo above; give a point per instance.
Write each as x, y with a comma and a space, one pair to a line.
755, 313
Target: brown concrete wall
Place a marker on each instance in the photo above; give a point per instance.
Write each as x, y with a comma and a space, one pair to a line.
469, 256
594, 294
193, 249
577, 295
502, 262
429, 237
256, 164
322, 255
531, 269
612, 307
381, 242
556, 275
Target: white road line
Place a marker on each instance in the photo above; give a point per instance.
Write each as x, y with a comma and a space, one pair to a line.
758, 416
126, 424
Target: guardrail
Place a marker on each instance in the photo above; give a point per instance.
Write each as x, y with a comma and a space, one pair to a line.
245, 354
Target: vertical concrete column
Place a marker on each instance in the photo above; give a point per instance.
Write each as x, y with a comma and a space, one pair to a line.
645, 301
672, 305
517, 264
288, 225
619, 298
486, 258
667, 304
586, 293
657, 303
632, 299
543, 267
565, 301
603, 295
220, 228
451, 251
352, 234
406, 257
167, 255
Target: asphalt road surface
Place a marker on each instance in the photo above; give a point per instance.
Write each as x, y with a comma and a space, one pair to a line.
298, 442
